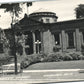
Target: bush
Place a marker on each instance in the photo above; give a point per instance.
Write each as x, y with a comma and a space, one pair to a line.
31, 59
81, 57
5, 59
53, 57
24, 64
67, 57
74, 56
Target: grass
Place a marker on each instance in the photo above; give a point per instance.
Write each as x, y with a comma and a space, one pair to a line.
79, 64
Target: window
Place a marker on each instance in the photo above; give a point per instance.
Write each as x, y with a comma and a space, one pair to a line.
55, 20
57, 38
41, 20
71, 40
29, 43
47, 21
83, 36
38, 41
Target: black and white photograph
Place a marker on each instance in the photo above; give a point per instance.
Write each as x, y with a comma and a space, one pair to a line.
42, 42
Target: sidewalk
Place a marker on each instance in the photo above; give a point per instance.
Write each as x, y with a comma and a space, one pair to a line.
44, 76
47, 72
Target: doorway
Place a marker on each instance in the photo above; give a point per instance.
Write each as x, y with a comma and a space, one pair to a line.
29, 43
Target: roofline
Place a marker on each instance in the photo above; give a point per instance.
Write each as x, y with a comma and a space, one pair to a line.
43, 12
67, 21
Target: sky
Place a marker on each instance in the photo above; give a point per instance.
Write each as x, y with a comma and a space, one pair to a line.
64, 9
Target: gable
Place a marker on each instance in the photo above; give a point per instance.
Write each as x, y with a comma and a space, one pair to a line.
28, 24
26, 21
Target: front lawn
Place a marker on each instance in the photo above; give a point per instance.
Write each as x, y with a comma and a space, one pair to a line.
73, 57
79, 64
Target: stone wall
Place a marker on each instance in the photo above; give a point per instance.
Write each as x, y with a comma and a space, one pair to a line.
48, 42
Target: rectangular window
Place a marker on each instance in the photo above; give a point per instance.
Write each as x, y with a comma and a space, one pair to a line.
71, 39
38, 41
83, 36
57, 38
47, 21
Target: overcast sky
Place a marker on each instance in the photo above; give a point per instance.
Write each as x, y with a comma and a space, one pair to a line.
64, 9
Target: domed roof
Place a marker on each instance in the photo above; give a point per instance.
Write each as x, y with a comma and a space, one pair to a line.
41, 10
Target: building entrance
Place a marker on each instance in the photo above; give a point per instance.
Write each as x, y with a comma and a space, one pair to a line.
29, 43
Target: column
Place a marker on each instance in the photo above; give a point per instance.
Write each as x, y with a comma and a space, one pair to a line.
53, 40
47, 42
60, 39
42, 46
78, 42
81, 35
63, 40
74, 39
67, 45
34, 45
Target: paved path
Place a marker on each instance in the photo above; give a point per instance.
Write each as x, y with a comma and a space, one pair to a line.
47, 72
44, 76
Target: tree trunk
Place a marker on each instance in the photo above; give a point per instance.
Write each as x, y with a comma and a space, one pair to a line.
14, 51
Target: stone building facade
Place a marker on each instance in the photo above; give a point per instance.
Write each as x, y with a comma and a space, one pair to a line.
41, 37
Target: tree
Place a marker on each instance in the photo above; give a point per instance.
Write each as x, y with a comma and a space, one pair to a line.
28, 4
4, 46
80, 11
14, 10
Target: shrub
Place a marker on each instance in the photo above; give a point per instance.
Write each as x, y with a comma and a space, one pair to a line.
81, 57
74, 56
53, 57
5, 59
24, 64
31, 59
67, 57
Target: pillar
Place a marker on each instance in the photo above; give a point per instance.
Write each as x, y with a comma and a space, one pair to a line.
34, 45
60, 39
63, 40
47, 40
81, 35
53, 40
74, 39
67, 45
78, 42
